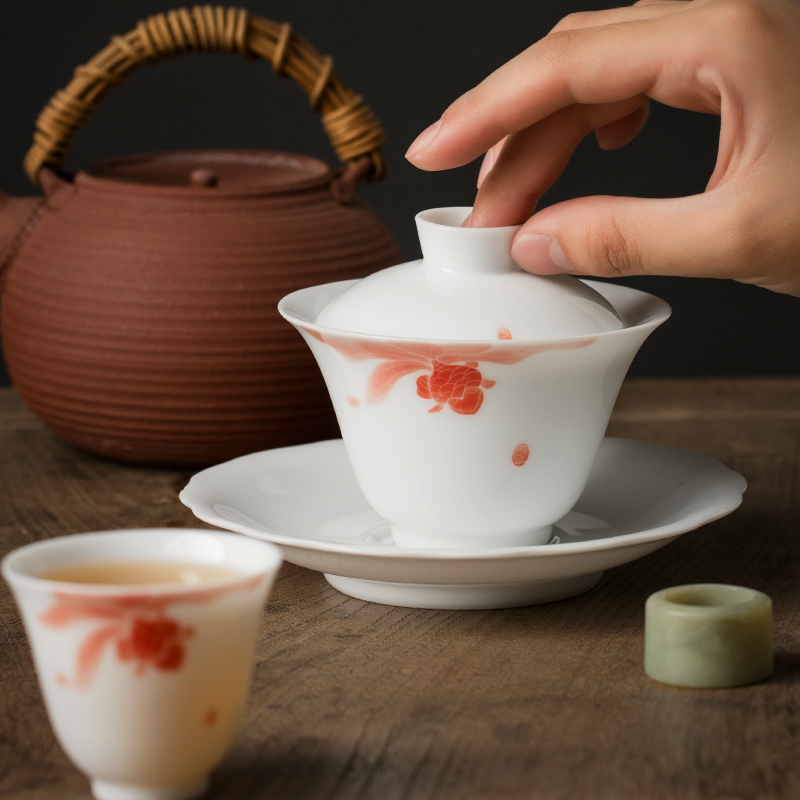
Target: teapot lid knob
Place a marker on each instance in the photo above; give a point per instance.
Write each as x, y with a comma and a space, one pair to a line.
203, 177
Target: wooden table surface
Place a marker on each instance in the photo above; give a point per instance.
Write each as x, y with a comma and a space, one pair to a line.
357, 700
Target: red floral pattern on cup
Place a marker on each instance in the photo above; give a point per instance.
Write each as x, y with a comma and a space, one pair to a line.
463, 385
155, 641
458, 386
520, 454
137, 625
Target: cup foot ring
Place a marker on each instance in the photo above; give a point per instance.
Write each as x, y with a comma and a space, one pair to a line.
463, 596
433, 541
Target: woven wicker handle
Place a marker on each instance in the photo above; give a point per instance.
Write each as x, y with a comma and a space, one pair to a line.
351, 126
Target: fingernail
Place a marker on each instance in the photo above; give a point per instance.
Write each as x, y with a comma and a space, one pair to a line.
423, 141
540, 253
468, 221
488, 163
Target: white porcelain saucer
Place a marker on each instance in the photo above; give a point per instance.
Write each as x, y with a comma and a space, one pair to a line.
640, 497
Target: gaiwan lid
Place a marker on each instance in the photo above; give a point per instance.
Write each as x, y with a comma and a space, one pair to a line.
466, 287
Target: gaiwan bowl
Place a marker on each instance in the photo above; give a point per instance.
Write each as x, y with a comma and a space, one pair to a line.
462, 443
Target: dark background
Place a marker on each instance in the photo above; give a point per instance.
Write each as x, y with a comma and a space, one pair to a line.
409, 59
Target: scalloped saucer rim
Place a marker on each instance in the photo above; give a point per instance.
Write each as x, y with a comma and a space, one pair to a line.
279, 486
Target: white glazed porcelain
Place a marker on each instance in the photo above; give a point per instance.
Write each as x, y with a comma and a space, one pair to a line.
143, 685
466, 287
478, 443
639, 497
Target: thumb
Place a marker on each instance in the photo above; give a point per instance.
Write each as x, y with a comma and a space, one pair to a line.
699, 236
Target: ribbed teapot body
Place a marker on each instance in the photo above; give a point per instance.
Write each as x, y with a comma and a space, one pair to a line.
140, 322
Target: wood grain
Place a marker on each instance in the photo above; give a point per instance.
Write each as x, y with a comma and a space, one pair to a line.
357, 700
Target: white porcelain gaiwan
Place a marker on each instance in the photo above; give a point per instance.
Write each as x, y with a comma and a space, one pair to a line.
472, 396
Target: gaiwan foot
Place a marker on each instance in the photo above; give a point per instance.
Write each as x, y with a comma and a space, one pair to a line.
464, 597
438, 540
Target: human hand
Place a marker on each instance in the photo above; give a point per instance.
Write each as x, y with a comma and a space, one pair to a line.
595, 71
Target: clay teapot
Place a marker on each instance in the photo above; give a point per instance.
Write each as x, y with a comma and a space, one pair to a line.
139, 298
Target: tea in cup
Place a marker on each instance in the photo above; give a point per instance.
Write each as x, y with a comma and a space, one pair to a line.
143, 646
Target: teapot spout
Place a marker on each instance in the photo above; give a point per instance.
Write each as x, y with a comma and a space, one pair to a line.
15, 216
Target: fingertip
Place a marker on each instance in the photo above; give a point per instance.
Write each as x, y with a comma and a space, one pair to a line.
540, 254
420, 145
618, 133
602, 138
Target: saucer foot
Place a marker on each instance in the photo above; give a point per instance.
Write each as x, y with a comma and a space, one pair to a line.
108, 790
463, 597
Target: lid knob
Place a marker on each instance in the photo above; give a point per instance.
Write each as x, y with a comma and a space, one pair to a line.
466, 289
203, 177
476, 251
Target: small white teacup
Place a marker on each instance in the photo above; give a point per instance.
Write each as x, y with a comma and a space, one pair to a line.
144, 680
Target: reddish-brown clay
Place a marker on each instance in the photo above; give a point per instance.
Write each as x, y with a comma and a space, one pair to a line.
139, 314
16, 215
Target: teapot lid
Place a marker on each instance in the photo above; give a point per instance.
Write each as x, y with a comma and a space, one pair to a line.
224, 171
467, 288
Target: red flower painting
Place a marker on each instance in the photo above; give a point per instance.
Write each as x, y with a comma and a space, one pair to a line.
156, 641
137, 626
456, 385
454, 379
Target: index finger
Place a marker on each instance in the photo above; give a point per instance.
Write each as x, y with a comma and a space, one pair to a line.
593, 65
